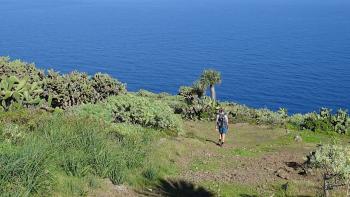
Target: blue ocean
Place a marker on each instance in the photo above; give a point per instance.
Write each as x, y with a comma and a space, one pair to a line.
271, 53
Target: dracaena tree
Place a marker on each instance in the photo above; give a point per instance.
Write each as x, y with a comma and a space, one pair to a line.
211, 78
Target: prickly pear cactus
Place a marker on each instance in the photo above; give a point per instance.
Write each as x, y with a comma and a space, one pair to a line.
19, 91
20, 69
325, 113
70, 89
340, 121
106, 86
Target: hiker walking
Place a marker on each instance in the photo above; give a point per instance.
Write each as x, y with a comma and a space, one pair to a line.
221, 125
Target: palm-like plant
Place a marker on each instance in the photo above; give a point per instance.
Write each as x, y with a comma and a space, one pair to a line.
211, 78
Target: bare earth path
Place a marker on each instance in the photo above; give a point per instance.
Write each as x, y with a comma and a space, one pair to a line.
254, 159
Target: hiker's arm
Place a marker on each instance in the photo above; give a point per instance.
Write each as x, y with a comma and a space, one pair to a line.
216, 122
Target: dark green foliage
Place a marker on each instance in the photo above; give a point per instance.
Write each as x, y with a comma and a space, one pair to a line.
144, 111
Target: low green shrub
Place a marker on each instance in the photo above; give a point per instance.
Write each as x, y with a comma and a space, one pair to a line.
334, 162
144, 111
99, 111
199, 109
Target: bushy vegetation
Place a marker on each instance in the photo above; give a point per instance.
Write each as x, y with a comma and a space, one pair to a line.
144, 111
322, 121
61, 91
334, 161
264, 116
15, 92
133, 109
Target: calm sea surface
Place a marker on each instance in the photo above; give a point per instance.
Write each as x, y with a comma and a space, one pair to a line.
272, 53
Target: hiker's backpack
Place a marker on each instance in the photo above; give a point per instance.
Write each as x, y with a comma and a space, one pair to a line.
222, 120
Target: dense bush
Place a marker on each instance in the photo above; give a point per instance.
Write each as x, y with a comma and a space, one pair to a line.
242, 113
268, 117
199, 109
99, 111
322, 121
65, 90
70, 89
106, 86
144, 111
20, 70
335, 159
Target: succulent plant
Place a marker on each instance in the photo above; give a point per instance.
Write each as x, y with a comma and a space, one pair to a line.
325, 113
14, 90
20, 69
106, 86
340, 121
69, 89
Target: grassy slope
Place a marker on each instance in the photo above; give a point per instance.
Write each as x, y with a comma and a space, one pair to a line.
192, 162
246, 165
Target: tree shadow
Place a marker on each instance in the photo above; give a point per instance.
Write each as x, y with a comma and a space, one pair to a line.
177, 188
297, 167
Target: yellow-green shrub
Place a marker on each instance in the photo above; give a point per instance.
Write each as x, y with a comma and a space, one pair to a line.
144, 111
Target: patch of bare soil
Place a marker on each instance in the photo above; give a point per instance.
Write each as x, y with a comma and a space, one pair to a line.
271, 167
110, 190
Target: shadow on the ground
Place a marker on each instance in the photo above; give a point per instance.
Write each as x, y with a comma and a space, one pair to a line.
247, 195
177, 188
212, 141
297, 167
